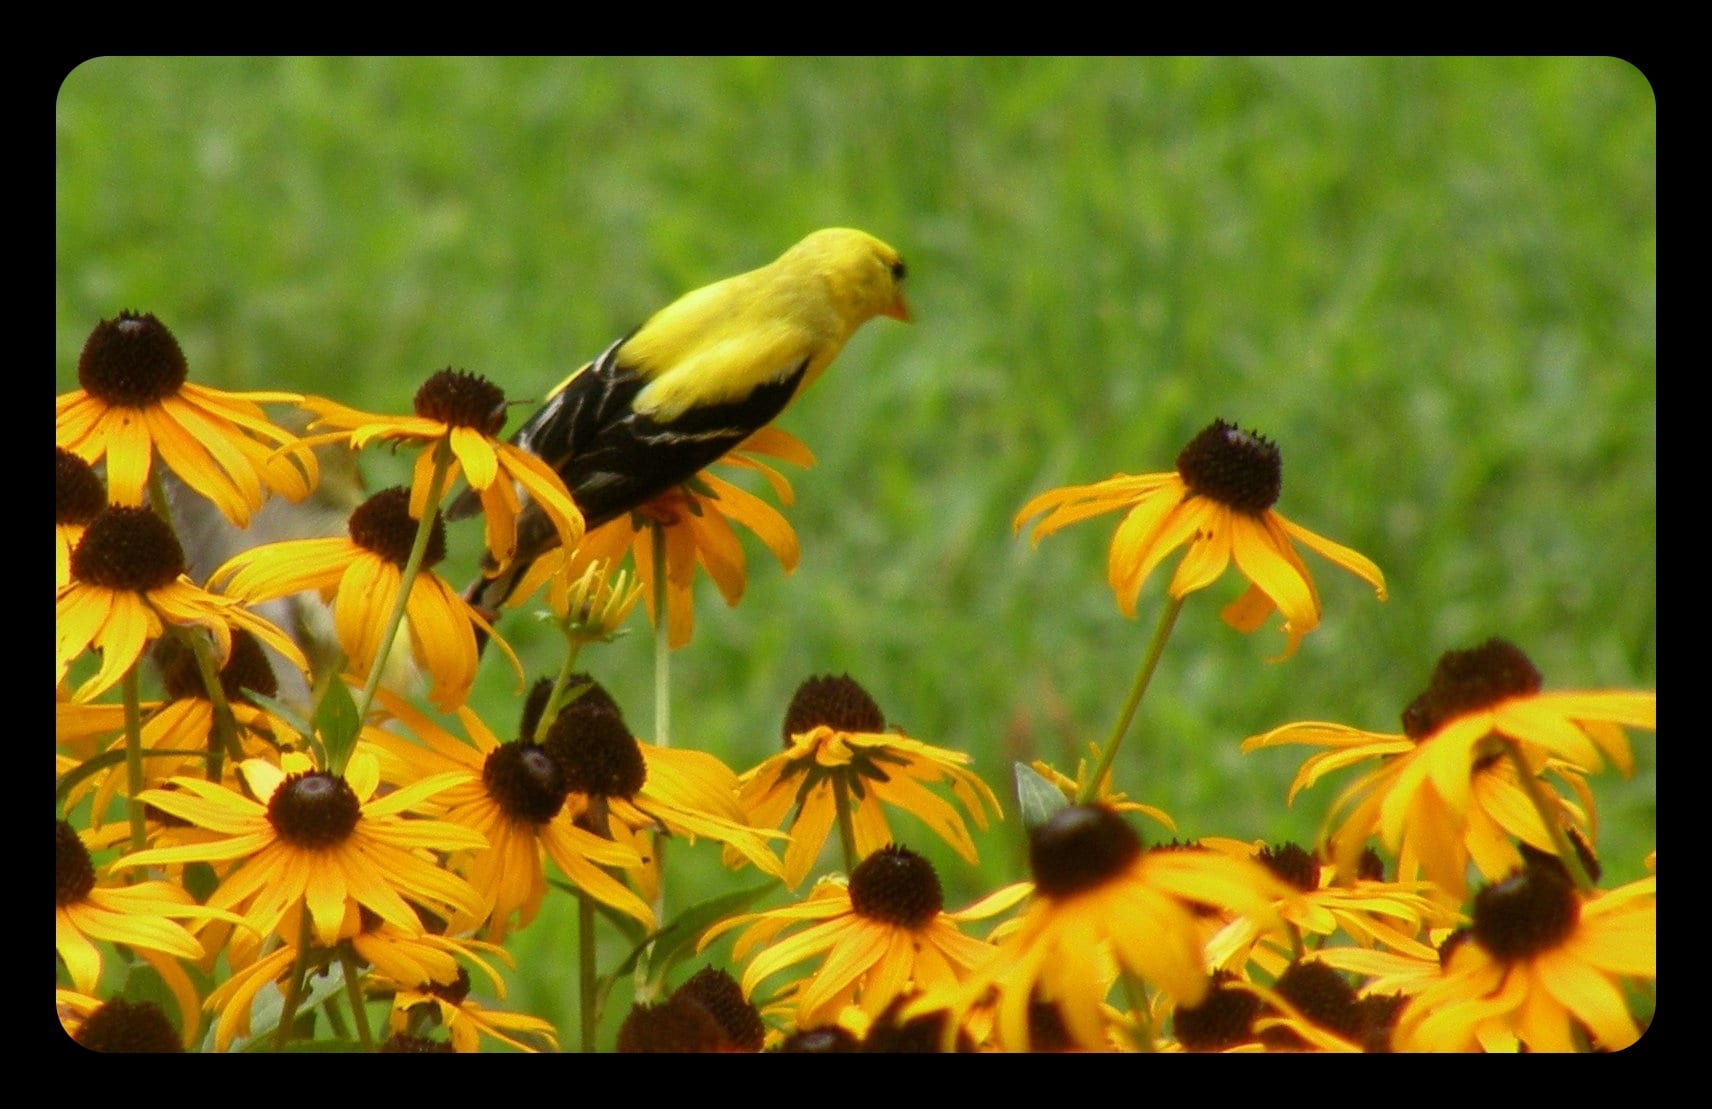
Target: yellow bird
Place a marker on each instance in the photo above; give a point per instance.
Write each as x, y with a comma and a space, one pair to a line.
698, 377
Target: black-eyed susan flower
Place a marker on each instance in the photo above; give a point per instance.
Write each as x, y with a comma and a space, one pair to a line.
143, 916
695, 521
322, 841
513, 795
628, 791
176, 732
1104, 909
1443, 794
120, 1026
840, 766
79, 497
880, 936
1541, 966
708, 1013
1218, 502
127, 583
361, 576
1364, 909
418, 1007
465, 412
136, 400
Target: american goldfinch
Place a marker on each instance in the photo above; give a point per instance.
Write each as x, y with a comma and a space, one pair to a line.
694, 381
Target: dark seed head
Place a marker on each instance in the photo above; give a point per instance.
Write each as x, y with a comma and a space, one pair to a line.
1079, 848
131, 362
672, 1025
314, 810
78, 493
1234, 467
839, 703
593, 698
460, 399
597, 754
1320, 994
74, 871
1293, 865
129, 1027
1530, 912
717, 992
383, 524
1468, 681
920, 1035
128, 549
401, 1044
525, 781
897, 886
246, 669
1224, 1018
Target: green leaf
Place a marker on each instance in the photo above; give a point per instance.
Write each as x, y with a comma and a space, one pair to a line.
676, 941
337, 723
1037, 797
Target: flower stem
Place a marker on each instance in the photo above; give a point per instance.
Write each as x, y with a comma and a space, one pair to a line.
294, 986
587, 1018
1566, 852
662, 693
134, 758
1167, 620
846, 824
354, 994
412, 566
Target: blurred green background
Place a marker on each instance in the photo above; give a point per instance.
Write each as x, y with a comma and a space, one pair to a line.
1432, 283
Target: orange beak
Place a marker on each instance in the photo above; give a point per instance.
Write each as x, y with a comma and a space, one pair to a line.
898, 310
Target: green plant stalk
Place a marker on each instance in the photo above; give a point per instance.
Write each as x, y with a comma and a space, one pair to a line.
846, 823
134, 759
1161, 635
662, 693
588, 1019
412, 567
294, 987
1566, 852
354, 995
224, 735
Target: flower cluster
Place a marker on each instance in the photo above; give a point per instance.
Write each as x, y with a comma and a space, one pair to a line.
348, 865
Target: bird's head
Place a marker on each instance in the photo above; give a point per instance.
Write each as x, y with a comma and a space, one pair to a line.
866, 275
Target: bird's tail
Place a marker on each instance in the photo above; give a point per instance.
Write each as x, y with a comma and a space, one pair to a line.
487, 594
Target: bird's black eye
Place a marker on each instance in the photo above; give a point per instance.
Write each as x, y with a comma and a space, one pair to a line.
899, 270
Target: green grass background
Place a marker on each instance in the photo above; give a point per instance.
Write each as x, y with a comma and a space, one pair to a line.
1431, 282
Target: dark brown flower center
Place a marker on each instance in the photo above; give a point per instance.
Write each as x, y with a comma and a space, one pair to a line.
839, 703
74, 871
593, 698
129, 1027
1292, 864
1320, 994
597, 754
453, 992
525, 782
897, 886
1530, 912
678, 1024
131, 362
1468, 681
383, 524
78, 493
128, 549
401, 1043
717, 992
314, 810
1234, 467
246, 669
460, 399
1080, 848
1224, 1018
